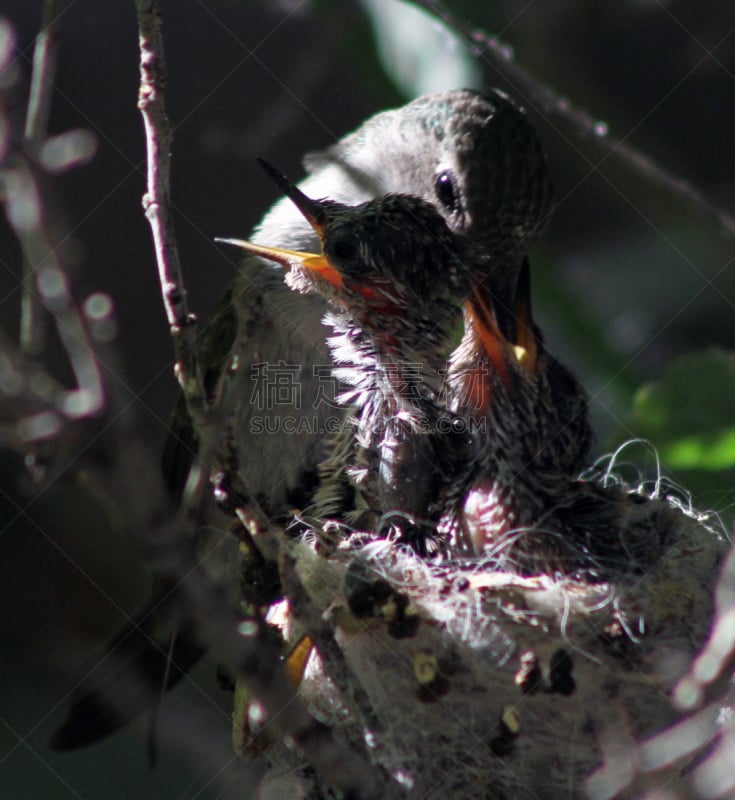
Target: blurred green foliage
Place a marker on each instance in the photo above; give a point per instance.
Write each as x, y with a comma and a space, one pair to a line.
689, 414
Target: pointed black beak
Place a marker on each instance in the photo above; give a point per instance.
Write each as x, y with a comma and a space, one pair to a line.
312, 210
501, 299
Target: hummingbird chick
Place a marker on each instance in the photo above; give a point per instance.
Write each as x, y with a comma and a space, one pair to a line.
518, 503
395, 277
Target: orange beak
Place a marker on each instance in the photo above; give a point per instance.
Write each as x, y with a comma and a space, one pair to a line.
517, 339
493, 342
314, 214
289, 259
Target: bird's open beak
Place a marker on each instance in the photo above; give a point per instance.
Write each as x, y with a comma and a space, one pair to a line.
289, 259
504, 324
315, 215
526, 343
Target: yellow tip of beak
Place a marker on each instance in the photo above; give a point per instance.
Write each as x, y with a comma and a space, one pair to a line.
289, 259
524, 357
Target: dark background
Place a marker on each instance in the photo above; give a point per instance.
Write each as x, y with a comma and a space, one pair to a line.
627, 278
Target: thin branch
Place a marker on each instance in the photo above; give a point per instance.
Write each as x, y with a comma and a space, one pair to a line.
35, 406
544, 99
710, 674
334, 661
133, 481
44, 71
157, 205
254, 657
32, 317
27, 199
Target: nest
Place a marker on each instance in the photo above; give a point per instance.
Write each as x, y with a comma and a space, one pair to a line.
463, 680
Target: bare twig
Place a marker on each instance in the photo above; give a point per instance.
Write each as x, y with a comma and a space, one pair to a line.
35, 406
157, 205
32, 328
254, 657
321, 633
547, 101
27, 201
44, 70
710, 674
246, 648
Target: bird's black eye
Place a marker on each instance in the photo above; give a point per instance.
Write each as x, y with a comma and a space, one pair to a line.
344, 248
341, 244
446, 191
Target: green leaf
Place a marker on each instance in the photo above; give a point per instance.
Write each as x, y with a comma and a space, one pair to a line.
690, 413
704, 452
689, 416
